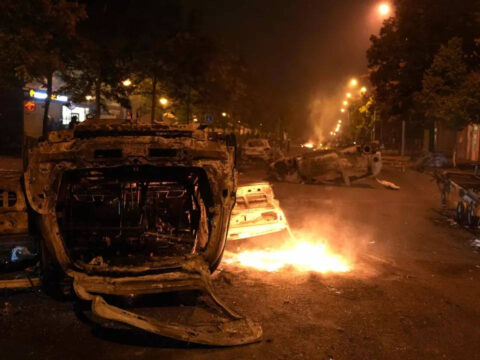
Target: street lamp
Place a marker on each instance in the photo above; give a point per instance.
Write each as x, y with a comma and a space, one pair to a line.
363, 90
224, 114
127, 82
353, 82
349, 95
345, 102
89, 97
342, 110
384, 9
163, 101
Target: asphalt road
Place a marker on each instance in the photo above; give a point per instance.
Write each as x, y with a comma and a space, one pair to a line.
414, 292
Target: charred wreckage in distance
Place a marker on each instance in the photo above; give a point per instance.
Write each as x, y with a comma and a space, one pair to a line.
131, 209
326, 166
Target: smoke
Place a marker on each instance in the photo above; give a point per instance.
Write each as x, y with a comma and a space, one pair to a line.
324, 113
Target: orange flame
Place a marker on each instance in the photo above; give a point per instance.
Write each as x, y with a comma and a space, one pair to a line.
303, 256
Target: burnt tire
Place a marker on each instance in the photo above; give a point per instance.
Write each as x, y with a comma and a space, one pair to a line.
460, 213
54, 280
470, 218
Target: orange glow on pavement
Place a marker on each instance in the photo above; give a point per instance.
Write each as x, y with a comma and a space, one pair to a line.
302, 255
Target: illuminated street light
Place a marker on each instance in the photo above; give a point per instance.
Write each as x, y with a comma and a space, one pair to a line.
163, 101
339, 121
349, 95
384, 9
224, 114
342, 110
127, 82
345, 102
353, 82
89, 97
363, 90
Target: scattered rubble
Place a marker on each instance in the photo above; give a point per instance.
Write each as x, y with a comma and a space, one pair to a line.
476, 243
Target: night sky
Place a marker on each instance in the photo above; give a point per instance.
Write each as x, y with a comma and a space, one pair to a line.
300, 50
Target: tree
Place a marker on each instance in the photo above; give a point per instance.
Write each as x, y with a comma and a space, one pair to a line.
399, 56
34, 37
102, 59
362, 119
96, 71
451, 92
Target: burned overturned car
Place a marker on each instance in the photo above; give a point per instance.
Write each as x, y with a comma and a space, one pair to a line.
329, 166
256, 212
131, 209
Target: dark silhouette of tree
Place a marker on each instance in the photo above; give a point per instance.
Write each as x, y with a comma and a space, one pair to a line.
102, 58
35, 35
399, 56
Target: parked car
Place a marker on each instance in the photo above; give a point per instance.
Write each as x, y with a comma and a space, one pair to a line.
257, 149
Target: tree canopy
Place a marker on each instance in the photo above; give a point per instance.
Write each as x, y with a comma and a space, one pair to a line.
451, 92
407, 44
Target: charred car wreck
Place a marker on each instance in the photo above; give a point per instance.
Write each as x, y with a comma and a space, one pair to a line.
131, 209
328, 166
256, 212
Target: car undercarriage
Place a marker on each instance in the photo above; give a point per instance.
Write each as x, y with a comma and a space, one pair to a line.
126, 210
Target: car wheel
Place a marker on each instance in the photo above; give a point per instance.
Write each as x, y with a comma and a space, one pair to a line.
460, 214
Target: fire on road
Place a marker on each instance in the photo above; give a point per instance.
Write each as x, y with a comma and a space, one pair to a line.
305, 253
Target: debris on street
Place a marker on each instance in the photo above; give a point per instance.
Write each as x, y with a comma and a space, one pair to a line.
388, 184
476, 243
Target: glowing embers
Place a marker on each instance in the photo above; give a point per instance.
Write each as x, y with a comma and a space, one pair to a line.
301, 255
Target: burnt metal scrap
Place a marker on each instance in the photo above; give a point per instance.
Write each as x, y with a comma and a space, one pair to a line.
256, 212
132, 209
347, 165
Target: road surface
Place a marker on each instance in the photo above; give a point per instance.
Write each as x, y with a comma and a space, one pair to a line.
414, 292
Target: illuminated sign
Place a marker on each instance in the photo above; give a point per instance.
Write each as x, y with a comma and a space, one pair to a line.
30, 106
42, 95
